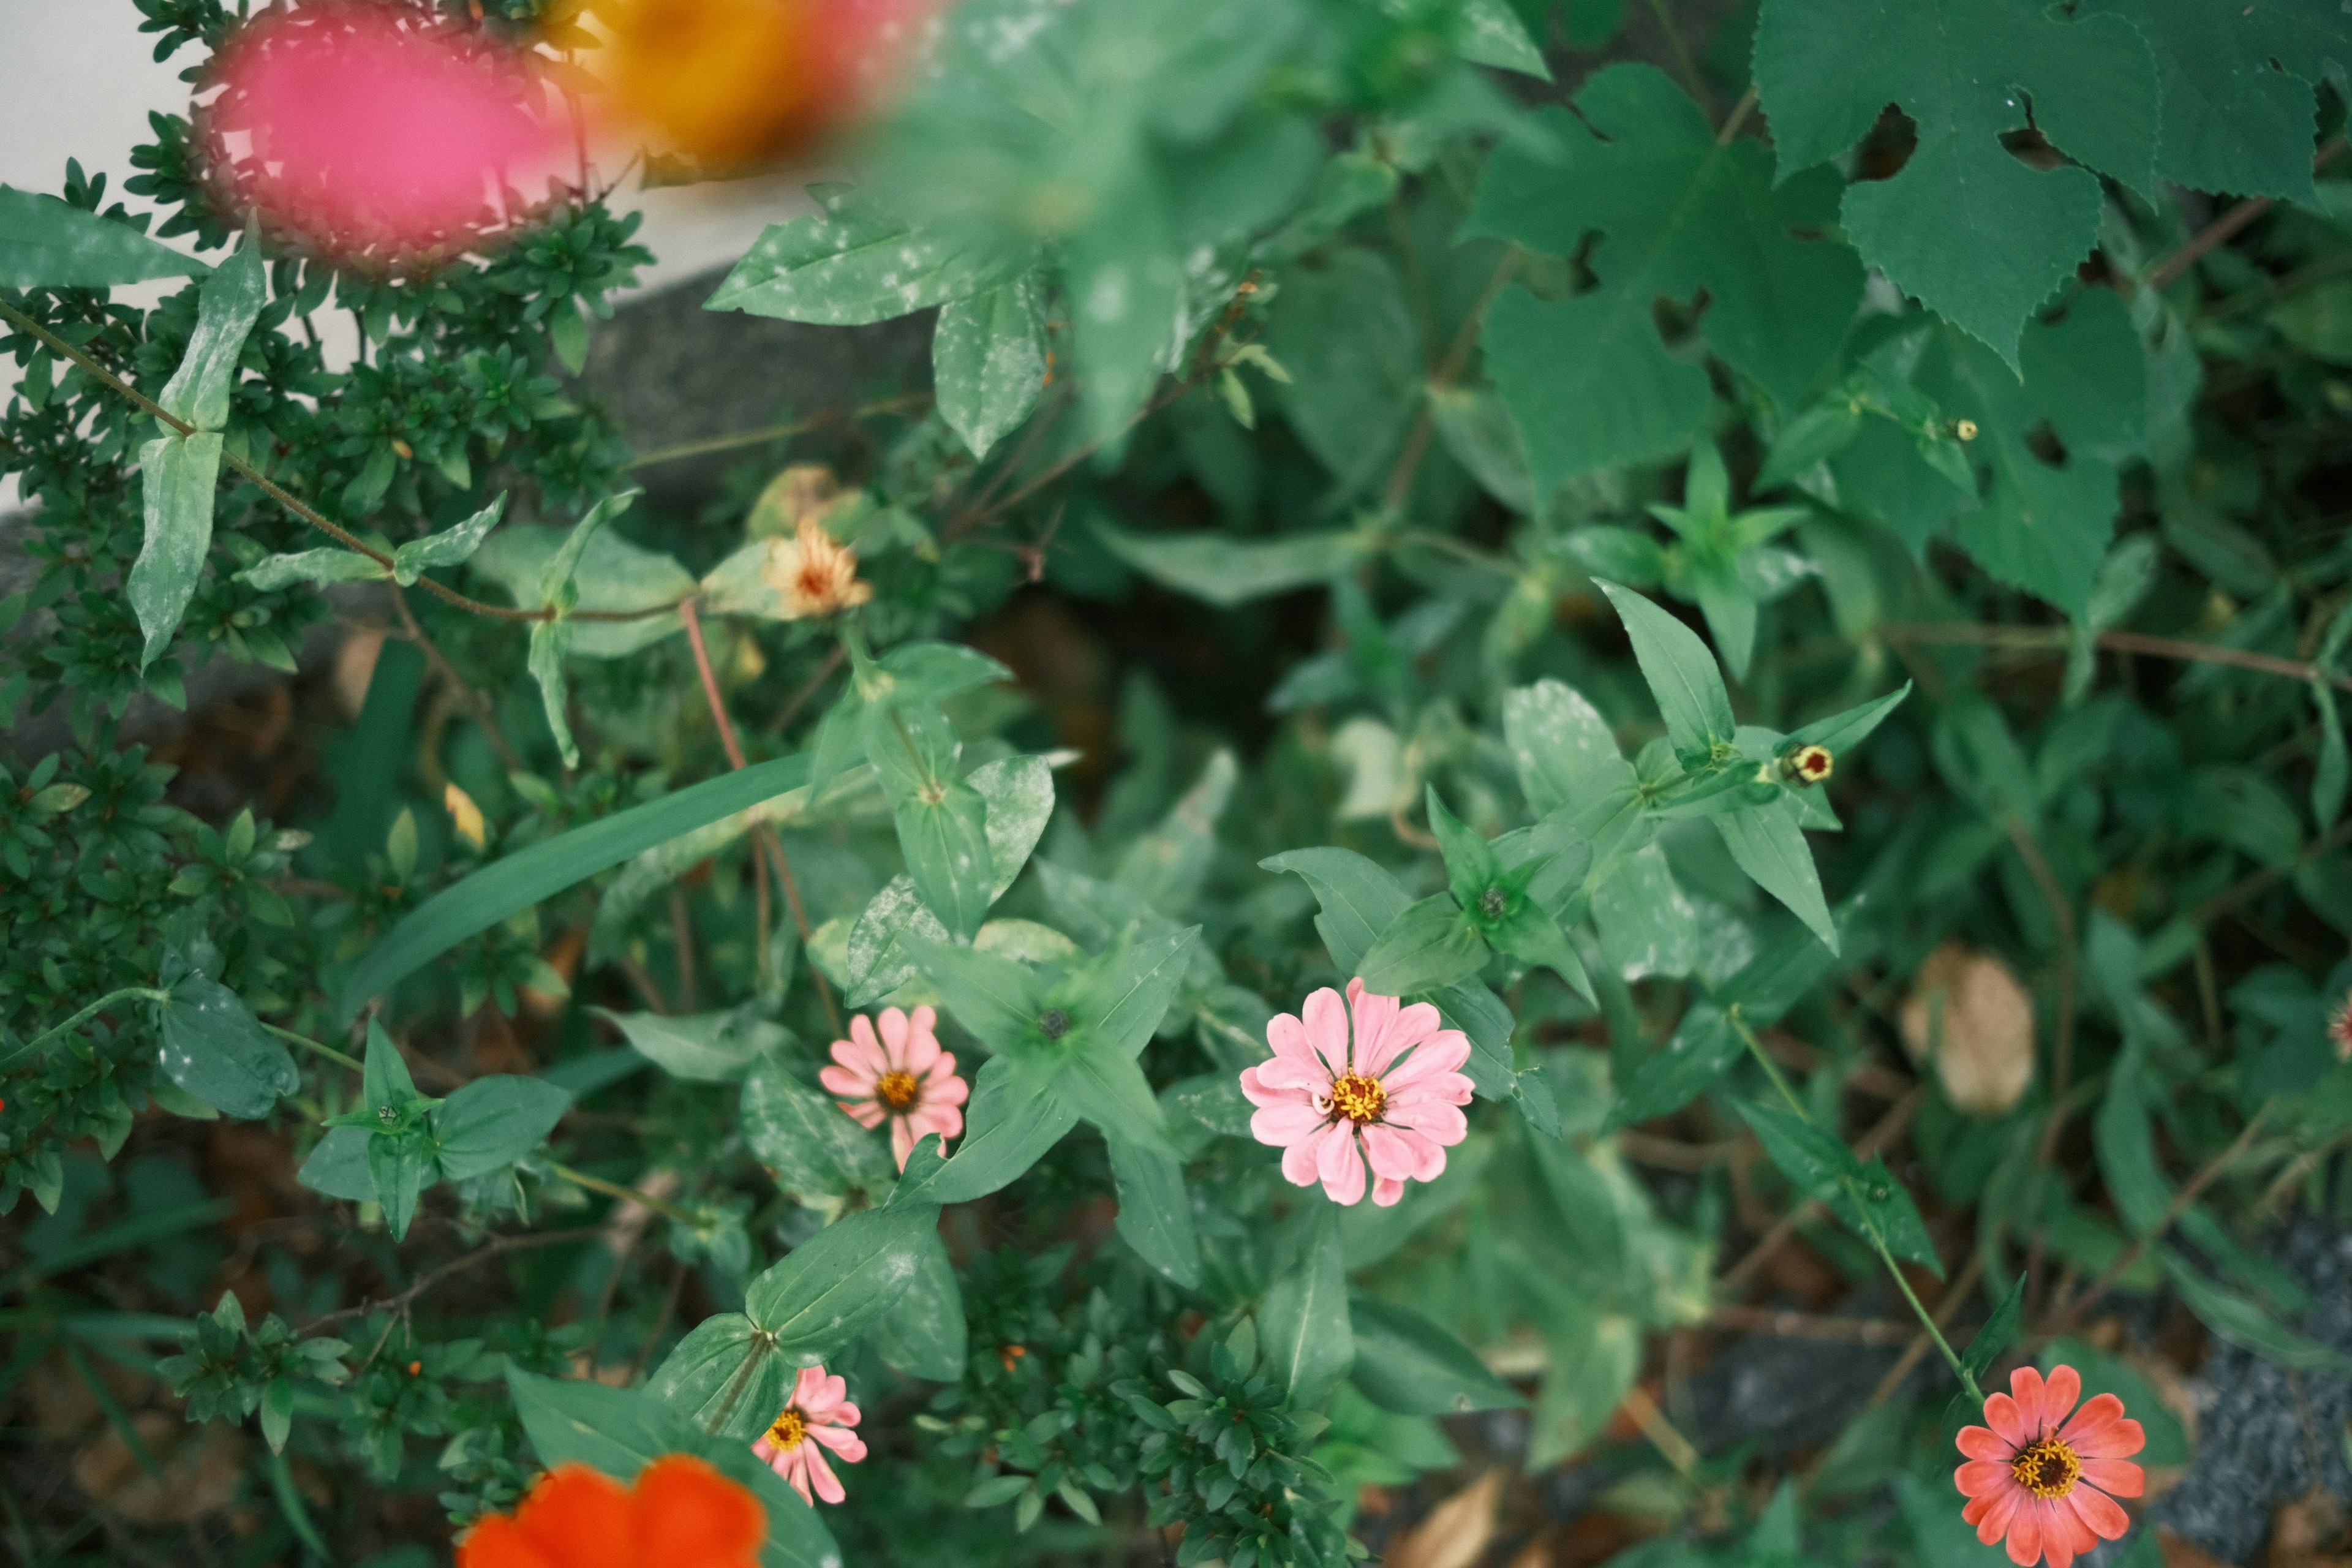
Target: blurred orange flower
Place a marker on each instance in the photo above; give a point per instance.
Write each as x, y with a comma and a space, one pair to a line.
679, 1511
733, 84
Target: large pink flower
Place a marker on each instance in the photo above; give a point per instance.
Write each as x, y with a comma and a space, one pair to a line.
818, 1417
1398, 1095
2042, 1480
903, 1078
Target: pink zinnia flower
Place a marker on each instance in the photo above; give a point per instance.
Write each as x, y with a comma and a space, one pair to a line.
903, 1078
1400, 1096
820, 1416
379, 129
2044, 1480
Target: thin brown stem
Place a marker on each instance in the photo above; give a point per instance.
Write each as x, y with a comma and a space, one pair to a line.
2057, 638
1449, 370
484, 714
2167, 273
1737, 117
495, 1247
807, 693
737, 439
1807, 1326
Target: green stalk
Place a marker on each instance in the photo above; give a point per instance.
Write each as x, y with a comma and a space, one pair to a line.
329, 1052
128, 993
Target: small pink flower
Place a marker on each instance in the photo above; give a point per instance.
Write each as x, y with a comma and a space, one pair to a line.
1399, 1097
2339, 1029
819, 1417
903, 1078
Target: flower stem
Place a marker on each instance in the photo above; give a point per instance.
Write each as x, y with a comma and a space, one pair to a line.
627, 1194
1854, 1197
128, 994
329, 1052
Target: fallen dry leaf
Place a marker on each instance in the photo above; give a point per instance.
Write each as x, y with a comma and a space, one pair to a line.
1968, 1011
1457, 1531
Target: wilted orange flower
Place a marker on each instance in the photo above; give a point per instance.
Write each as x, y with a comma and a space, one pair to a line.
735, 83
680, 1511
814, 575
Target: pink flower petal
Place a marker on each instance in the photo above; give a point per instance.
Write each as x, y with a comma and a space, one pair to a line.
1374, 1017
1385, 1192
893, 1024
1286, 1034
820, 1474
1439, 1054
1282, 1125
2025, 1389
1326, 1018
2101, 1430
1339, 1164
902, 1141
944, 1120
1996, 1518
923, 1040
1298, 1164
1385, 1149
845, 1082
1978, 1478
2100, 1513
806, 1388
842, 1442
867, 1113
1433, 1119
1282, 1073
2003, 1416
861, 1052
2025, 1526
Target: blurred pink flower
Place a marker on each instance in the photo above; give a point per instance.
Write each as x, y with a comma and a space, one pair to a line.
1398, 1095
903, 1078
377, 128
819, 1417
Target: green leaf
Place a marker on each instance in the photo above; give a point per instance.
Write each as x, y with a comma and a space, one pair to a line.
726, 1377
1867, 1198
609, 573
1470, 865
1705, 1043
1595, 1356
880, 961
807, 1141
213, 1047
1014, 1117
339, 1166
1768, 844
616, 1431
493, 1121
45, 243
1489, 33
710, 1048
923, 1334
1429, 944
825, 1292
2239, 1320
1997, 1332
1682, 676
988, 362
2234, 121
1168, 863
400, 1166
1344, 333
2126, 1145
1019, 795
449, 547
1223, 570
854, 264
2334, 772
1119, 999
226, 307
1563, 750
176, 476
1303, 1334
1407, 1364
1109, 1090
1588, 381
1840, 732
943, 833
517, 882
997, 999
550, 641
328, 563
1965, 227
1155, 1212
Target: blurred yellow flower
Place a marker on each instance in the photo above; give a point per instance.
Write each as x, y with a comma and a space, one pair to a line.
465, 816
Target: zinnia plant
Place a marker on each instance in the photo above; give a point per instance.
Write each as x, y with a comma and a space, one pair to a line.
2043, 1477
819, 1418
901, 1078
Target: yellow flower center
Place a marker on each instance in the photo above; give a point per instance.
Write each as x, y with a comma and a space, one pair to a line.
897, 1090
2047, 1468
1358, 1097
787, 1431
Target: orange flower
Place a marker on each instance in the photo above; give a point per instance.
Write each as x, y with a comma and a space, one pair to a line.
814, 575
680, 1512
2042, 1480
736, 83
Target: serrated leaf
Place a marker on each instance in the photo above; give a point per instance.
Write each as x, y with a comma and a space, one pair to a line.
1588, 380
1964, 226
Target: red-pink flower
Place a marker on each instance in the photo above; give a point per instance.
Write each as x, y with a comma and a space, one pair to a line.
903, 1078
2044, 1480
1395, 1104
379, 128
818, 1417
2339, 1029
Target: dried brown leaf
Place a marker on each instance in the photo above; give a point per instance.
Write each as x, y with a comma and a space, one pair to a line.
1967, 1010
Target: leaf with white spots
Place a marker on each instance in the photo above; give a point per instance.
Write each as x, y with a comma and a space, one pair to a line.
988, 362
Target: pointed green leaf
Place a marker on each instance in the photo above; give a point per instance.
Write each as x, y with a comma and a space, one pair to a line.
988, 362
45, 243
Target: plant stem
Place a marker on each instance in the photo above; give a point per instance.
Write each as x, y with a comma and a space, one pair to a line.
741, 438
627, 1194
1853, 1196
2054, 638
128, 994
327, 1051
